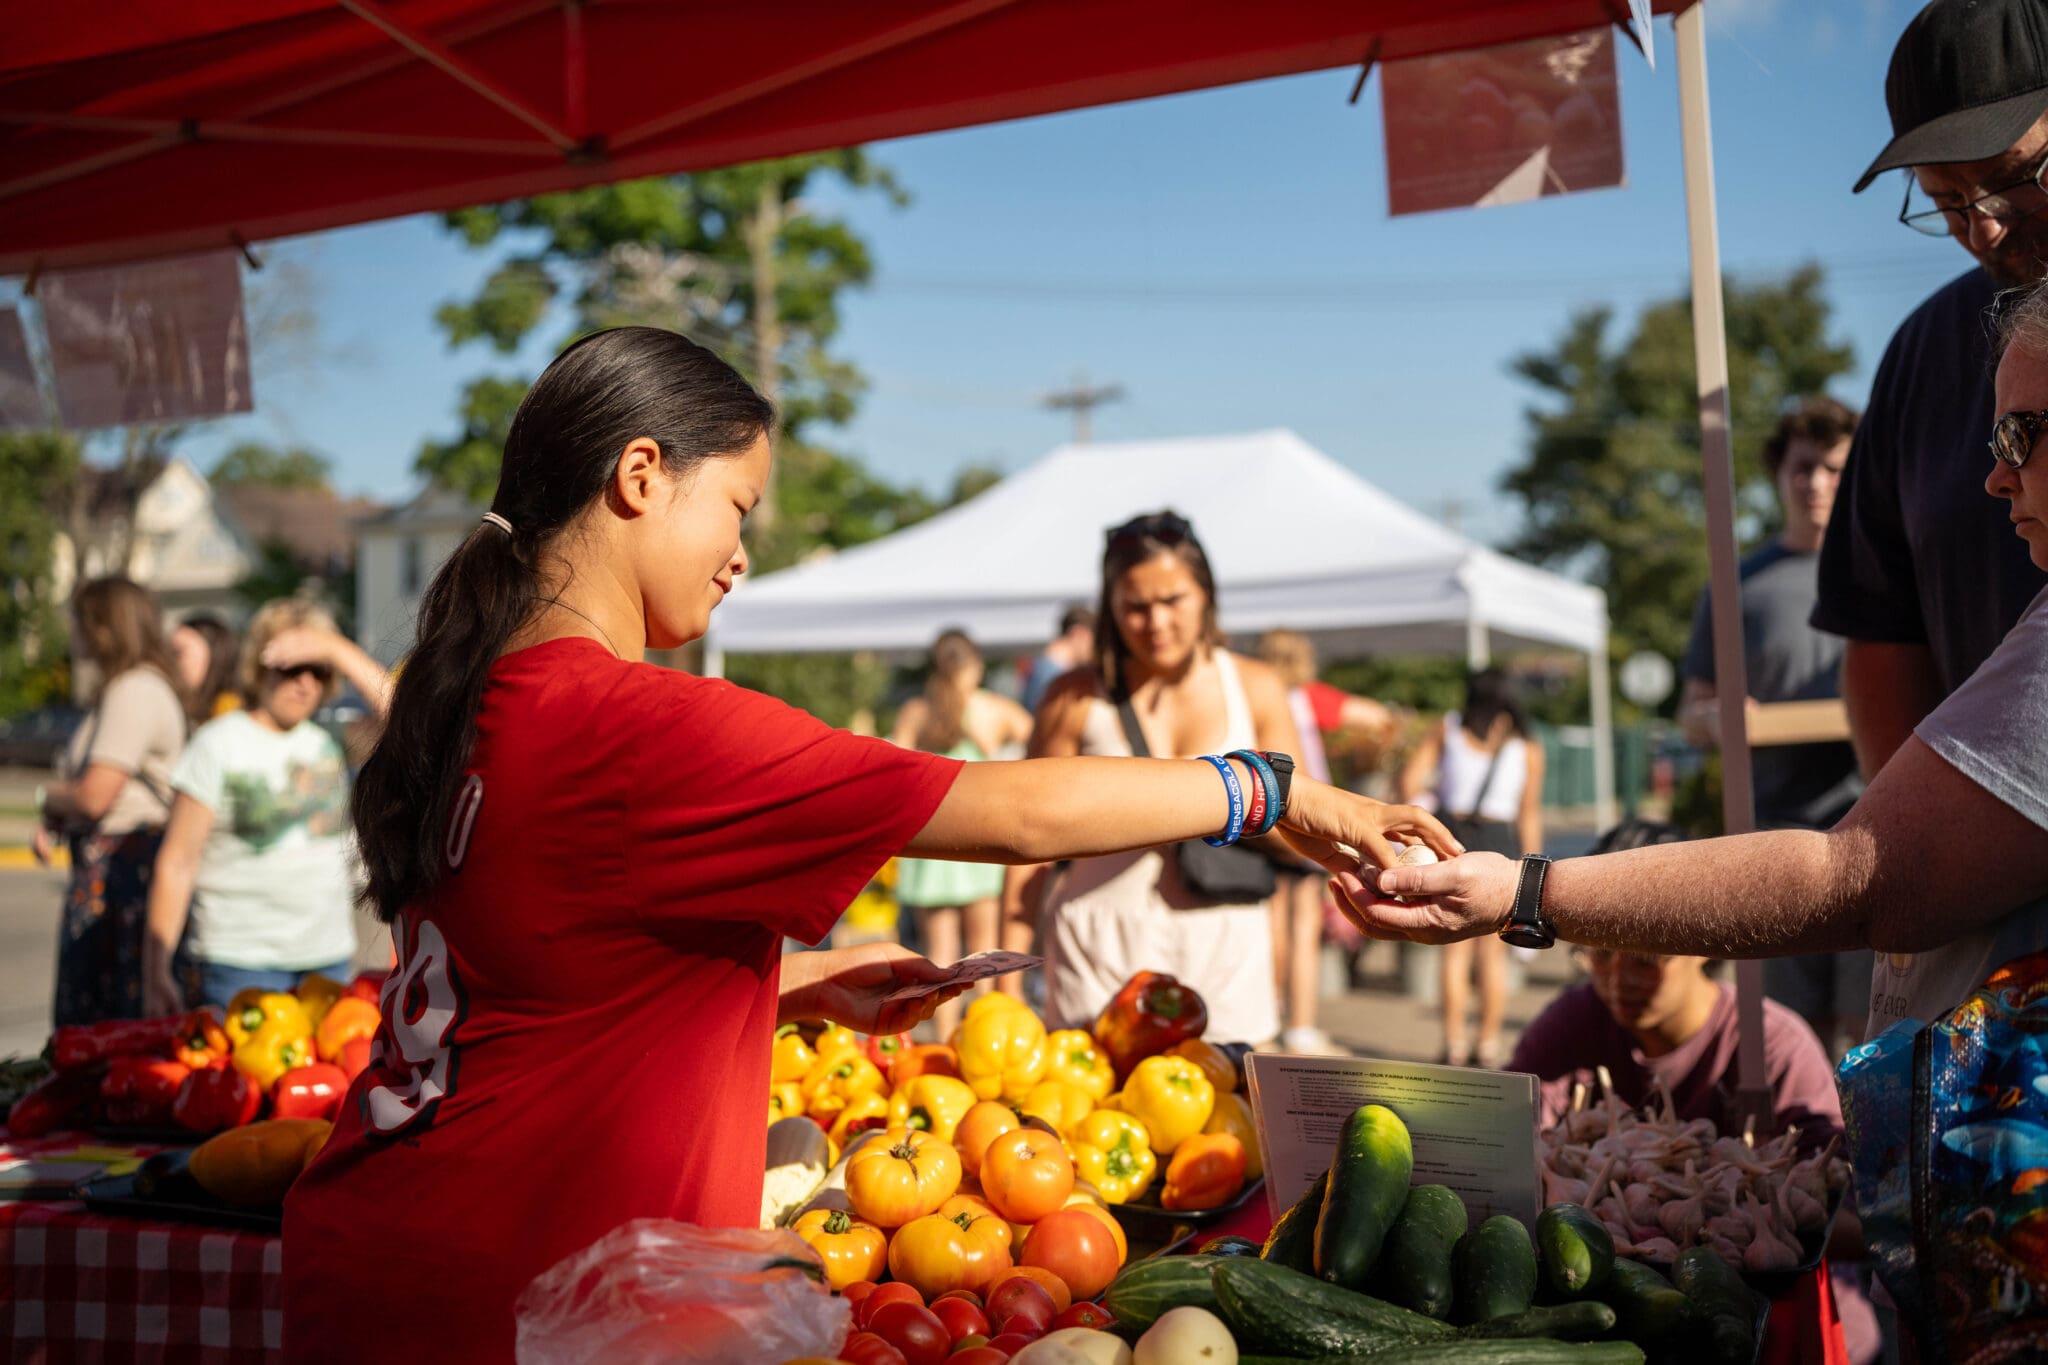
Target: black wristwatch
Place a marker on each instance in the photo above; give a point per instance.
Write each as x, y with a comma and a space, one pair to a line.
1283, 774
1528, 926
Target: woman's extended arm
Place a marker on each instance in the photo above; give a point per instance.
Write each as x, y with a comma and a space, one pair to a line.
170, 897
1529, 819
1421, 764
309, 644
1925, 857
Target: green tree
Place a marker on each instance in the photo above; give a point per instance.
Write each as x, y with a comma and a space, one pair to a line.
37, 468
255, 464
1611, 483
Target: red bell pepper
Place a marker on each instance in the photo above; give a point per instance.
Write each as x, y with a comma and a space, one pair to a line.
885, 1048
355, 1057
308, 1092
77, 1046
368, 986
57, 1100
1150, 1014
139, 1091
216, 1098
203, 1040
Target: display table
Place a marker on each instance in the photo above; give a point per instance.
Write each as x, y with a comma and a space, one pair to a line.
85, 1287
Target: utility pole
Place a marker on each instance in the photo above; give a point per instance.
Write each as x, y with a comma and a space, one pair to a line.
1082, 400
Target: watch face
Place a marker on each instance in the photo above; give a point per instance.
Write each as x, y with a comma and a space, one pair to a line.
1528, 936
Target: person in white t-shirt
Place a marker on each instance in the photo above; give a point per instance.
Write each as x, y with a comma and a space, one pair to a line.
258, 845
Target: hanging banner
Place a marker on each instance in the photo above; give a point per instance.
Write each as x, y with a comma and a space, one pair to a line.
157, 341
21, 405
1502, 125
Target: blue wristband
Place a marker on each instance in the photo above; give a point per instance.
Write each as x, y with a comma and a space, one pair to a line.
1235, 829
1267, 779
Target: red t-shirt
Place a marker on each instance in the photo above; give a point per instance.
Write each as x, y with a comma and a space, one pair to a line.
579, 1027
1327, 702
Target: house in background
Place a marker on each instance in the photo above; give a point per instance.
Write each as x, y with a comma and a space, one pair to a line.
397, 555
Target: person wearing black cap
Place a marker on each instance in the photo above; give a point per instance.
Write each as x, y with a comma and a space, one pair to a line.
1919, 569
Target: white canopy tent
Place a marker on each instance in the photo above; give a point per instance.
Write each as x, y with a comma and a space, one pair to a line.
1295, 539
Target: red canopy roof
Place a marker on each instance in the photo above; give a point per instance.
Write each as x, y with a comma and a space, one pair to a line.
134, 128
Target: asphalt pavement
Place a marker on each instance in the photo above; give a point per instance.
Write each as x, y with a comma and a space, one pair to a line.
29, 902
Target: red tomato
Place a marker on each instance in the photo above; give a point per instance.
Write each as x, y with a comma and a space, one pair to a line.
967, 1294
962, 1319
865, 1348
916, 1331
979, 1355
1019, 1297
967, 1343
893, 1292
1009, 1343
1090, 1315
857, 1291
1075, 1246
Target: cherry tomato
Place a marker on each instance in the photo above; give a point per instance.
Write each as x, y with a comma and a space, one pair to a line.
1074, 1245
914, 1330
865, 1348
1090, 1315
962, 1319
893, 1292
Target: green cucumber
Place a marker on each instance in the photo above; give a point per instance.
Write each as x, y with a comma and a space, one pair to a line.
1495, 1267
1648, 1308
1725, 1306
1414, 1270
1578, 1251
1582, 1321
1292, 1242
1368, 1185
1142, 1292
1284, 1312
1476, 1353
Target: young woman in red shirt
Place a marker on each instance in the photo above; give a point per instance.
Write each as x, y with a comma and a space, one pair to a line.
590, 865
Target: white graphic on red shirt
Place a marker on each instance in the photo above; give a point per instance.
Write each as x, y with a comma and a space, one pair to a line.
413, 1067
462, 820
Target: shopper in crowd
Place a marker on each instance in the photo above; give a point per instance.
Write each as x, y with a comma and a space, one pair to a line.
1298, 904
590, 865
1486, 771
1795, 786
959, 718
208, 656
1922, 574
254, 876
1072, 648
110, 805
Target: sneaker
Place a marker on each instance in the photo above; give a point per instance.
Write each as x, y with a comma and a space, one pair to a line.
1490, 1055
1310, 1042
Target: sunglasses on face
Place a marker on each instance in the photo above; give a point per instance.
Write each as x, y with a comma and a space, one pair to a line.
2013, 438
1170, 527
319, 673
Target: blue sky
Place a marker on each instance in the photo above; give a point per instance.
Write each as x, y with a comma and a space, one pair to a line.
1227, 257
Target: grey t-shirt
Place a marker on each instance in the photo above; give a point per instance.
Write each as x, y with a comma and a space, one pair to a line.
1809, 786
1994, 729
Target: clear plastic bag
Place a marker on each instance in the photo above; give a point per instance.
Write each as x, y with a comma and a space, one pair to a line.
654, 1290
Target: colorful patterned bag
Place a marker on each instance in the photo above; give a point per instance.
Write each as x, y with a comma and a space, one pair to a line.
1948, 1130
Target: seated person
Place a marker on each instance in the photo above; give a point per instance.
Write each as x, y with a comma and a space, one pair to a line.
1650, 1018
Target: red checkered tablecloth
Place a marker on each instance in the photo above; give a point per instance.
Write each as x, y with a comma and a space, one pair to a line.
87, 1288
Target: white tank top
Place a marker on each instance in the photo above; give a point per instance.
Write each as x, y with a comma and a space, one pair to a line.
1102, 732
1462, 771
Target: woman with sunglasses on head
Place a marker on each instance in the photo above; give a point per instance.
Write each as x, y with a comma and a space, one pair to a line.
1160, 669
253, 877
590, 865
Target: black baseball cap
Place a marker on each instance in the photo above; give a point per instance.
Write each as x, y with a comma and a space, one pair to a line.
1967, 79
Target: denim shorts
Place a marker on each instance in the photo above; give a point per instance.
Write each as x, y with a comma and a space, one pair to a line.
220, 983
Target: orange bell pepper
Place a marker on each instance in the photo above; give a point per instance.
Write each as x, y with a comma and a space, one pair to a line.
1207, 1172
202, 1041
1215, 1065
346, 1020
925, 1059
1233, 1115
318, 994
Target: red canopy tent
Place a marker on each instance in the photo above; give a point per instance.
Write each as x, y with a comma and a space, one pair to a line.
136, 128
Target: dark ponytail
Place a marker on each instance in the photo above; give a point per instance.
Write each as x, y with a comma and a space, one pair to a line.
597, 397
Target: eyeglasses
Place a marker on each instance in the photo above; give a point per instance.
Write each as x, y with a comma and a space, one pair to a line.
2013, 438
1607, 960
2020, 199
319, 673
1170, 527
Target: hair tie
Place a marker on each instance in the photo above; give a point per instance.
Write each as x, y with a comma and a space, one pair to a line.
494, 519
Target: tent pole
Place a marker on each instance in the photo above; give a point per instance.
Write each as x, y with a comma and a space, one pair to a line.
1478, 648
714, 656
1602, 688
1710, 354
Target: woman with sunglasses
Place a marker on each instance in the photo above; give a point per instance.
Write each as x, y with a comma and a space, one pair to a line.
1161, 667
253, 877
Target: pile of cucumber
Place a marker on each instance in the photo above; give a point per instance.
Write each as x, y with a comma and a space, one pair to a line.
1365, 1267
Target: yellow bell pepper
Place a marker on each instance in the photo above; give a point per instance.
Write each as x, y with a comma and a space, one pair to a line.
1113, 1100
318, 994
1234, 1116
861, 1113
785, 1101
1113, 1153
1058, 1103
1002, 1049
843, 1075
1072, 1056
1215, 1065
1173, 1099
793, 1057
836, 1039
271, 1051
932, 1104
250, 1010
